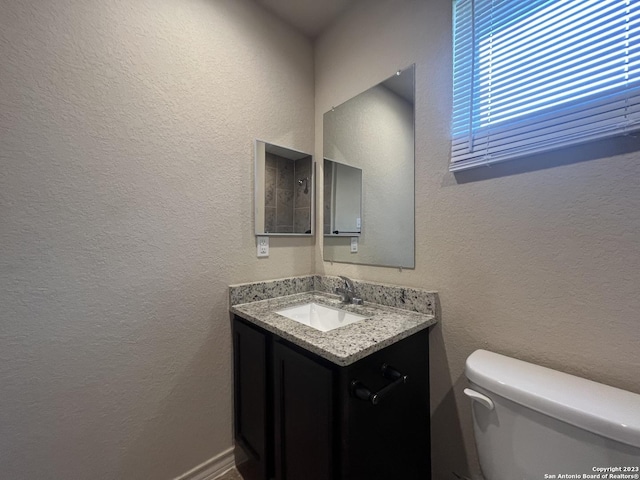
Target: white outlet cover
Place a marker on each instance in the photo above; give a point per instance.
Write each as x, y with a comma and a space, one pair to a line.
263, 246
354, 244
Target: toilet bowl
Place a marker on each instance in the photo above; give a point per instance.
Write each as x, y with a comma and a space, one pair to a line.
535, 423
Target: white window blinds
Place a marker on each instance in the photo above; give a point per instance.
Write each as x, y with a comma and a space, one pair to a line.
530, 76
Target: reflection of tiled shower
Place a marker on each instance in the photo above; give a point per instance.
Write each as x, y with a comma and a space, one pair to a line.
287, 205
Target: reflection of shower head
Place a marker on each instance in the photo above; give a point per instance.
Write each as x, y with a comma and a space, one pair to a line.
304, 180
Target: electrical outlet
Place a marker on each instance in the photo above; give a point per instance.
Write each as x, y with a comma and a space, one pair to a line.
354, 244
263, 246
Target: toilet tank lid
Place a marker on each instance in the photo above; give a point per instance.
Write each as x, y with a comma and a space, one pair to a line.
601, 409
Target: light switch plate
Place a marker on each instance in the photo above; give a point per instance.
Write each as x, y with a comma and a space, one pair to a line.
354, 244
263, 246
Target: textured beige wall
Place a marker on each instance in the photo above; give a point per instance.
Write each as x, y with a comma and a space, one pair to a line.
126, 201
538, 259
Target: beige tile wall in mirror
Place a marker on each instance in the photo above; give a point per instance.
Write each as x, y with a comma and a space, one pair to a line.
284, 190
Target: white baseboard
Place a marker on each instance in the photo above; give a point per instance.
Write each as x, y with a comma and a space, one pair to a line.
214, 467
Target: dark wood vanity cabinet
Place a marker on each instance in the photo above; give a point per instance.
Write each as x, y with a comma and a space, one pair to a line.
253, 398
301, 417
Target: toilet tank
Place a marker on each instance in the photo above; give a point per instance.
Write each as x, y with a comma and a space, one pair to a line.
535, 423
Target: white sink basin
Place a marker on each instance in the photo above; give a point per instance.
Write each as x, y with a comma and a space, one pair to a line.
320, 317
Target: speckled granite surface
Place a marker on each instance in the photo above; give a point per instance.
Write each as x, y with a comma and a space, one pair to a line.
251, 292
345, 345
406, 298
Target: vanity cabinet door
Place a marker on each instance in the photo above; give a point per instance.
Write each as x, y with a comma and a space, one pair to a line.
303, 416
390, 439
250, 352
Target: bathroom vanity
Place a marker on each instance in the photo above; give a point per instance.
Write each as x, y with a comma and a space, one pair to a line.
350, 403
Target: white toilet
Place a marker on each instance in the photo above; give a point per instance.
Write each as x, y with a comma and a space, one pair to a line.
534, 423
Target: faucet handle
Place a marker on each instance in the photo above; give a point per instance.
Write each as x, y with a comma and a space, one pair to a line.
348, 294
348, 282
344, 293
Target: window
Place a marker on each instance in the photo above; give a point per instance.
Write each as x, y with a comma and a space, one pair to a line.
531, 76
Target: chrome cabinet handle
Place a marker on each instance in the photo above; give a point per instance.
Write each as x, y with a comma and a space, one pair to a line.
480, 398
360, 391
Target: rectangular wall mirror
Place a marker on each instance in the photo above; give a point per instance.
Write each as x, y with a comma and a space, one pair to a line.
373, 133
342, 199
284, 181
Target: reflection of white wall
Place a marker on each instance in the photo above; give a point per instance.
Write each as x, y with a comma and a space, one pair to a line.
374, 131
347, 192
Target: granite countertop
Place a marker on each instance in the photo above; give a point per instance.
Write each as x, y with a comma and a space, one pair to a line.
342, 346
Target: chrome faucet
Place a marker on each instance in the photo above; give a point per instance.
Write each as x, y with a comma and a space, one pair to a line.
348, 292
